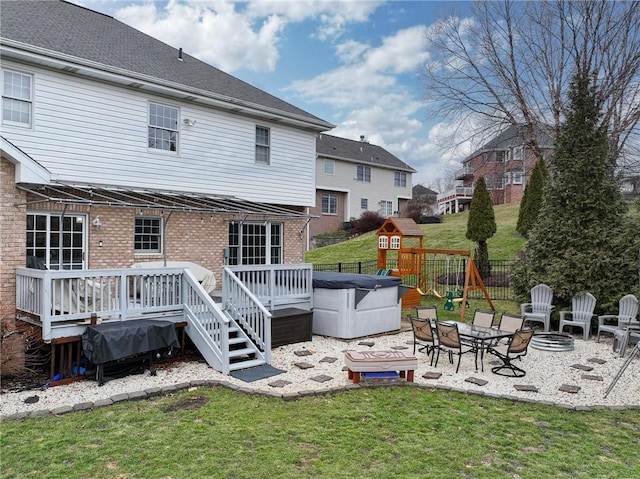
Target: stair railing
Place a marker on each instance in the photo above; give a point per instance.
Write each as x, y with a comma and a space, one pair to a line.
247, 310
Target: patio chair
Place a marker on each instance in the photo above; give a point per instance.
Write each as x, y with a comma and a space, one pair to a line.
509, 322
582, 306
540, 307
627, 312
483, 318
424, 338
427, 312
626, 335
449, 342
516, 348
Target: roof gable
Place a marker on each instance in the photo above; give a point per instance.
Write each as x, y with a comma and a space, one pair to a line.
401, 226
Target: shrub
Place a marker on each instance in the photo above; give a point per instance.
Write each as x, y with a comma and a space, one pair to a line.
368, 221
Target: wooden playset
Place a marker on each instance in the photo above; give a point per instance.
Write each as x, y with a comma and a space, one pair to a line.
418, 266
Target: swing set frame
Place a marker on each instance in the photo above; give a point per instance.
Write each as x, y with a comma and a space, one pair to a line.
413, 261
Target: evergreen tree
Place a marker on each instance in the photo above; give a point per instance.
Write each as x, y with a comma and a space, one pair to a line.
575, 244
481, 225
532, 199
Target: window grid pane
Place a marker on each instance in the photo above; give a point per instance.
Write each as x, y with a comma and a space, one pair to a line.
16, 97
148, 235
364, 203
163, 127
262, 145
400, 179
59, 244
363, 173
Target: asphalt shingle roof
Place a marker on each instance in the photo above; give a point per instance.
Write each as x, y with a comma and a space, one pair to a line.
358, 152
65, 29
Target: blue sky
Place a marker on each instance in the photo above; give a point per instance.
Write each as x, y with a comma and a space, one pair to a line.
354, 63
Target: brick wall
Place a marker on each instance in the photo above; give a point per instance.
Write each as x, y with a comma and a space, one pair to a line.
12, 237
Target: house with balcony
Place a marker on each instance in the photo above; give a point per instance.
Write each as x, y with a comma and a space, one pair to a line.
120, 150
506, 162
353, 177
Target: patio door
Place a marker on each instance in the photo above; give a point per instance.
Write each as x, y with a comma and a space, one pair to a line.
57, 239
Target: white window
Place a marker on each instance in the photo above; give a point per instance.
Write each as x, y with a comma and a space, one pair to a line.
502, 156
518, 153
17, 98
400, 179
395, 242
383, 242
364, 203
255, 243
148, 234
489, 182
57, 240
386, 208
517, 177
329, 167
363, 173
498, 182
262, 145
329, 204
163, 127
507, 178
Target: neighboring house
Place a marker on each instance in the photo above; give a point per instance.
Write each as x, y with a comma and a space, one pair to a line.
353, 177
506, 164
119, 149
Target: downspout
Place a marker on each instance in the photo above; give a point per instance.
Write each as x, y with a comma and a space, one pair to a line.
164, 238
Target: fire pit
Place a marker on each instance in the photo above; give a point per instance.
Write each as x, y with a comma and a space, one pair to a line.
552, 342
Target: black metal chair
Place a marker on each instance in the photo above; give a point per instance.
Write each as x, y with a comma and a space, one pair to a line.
449, 341
423, 336
516, 348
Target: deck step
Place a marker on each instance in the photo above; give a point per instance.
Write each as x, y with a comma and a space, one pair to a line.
241, 352
246, 364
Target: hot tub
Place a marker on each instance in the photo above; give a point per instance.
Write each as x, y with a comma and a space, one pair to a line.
355, 305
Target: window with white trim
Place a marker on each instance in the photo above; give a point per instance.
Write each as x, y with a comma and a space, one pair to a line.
502, 155
329, 204
364, 203
517, 177
395, 242
17, 98
363, 173
263, 145
255, 243
57, 239
148, 234
498, 182
400, 179
383, 242
518, 153
329, 167
163, 127
386, 208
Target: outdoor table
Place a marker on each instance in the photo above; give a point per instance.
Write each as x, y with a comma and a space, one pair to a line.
481, 337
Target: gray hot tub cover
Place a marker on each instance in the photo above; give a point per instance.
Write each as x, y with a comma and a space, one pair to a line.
330, 280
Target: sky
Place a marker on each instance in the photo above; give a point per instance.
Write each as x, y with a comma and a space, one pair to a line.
353, 63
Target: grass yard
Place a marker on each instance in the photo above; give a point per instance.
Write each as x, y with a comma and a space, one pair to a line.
399, 432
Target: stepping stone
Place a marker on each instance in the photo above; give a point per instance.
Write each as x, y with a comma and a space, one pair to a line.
304, 365
478, 381
32, 399
344, 368
322, 378
366, 343
592, 377
582, 367
399, 347
328, 359
567, 388
596, 360
280, 383
303, 352
526, 387
432, 375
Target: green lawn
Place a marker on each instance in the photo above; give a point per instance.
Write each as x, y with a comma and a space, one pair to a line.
450, 234
392, 432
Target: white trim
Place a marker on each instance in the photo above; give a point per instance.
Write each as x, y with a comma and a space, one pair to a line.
28, 170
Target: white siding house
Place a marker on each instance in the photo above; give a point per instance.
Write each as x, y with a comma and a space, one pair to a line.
118, 149
360, 177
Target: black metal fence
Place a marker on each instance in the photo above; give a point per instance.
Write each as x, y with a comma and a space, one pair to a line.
441, 275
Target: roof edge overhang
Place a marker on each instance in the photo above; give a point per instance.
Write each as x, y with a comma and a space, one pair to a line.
406, 168
86, 68
28, 170
145, 199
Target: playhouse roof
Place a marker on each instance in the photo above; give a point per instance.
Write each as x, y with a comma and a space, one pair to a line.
402, 226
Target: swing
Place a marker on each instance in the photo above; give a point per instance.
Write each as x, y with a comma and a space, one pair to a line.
457, 296
433, 290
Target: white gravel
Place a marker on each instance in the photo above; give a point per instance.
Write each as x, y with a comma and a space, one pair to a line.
547, 371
